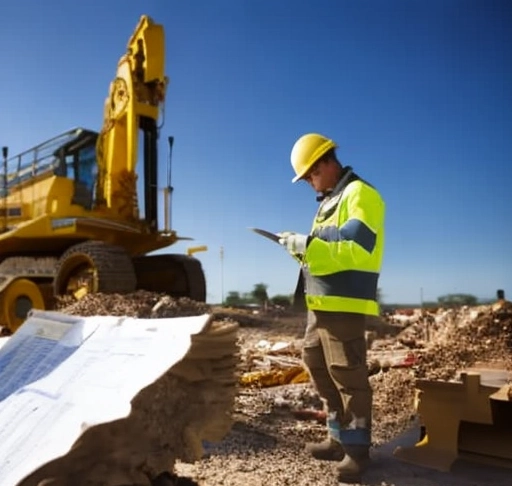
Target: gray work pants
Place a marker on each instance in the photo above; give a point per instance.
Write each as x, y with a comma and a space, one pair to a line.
335, 355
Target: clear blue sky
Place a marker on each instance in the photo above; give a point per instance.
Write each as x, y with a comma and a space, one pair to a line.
418, 94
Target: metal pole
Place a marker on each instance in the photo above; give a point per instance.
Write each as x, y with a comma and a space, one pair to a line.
5, 153
222, 275
168, 189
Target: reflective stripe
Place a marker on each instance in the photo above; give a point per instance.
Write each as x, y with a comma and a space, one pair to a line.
357, 436
353, 230
349, 283
334, 428
328, 303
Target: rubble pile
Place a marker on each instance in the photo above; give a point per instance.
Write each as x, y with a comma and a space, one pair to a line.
141, 304
467, 337
441, 344
171, 418
266, 364
428, 345
264, 424
266, 445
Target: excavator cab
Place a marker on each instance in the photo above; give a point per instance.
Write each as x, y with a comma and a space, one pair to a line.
76, 160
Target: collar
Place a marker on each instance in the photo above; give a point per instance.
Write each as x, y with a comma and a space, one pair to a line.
346, 173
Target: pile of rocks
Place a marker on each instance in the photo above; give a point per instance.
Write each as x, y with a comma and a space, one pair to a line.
141, 304
197, 399
171, 419
462, 338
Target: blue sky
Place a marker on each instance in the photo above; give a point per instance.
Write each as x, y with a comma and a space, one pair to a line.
418, 95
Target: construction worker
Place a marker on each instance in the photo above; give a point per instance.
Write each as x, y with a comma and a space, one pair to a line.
340, 264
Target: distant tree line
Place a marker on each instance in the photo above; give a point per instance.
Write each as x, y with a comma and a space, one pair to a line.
259, 296
455, 300
446, 301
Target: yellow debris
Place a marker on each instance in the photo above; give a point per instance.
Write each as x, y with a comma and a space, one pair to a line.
275, 377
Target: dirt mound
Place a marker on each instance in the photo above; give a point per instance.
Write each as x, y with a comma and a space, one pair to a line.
468, 337
170, 419
265, 443
141, 304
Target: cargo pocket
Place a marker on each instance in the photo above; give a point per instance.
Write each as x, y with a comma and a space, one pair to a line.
343, 354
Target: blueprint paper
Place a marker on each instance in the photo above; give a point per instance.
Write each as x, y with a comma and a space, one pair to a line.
60, 375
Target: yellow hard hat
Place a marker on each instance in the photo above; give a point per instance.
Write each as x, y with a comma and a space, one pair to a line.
307, 150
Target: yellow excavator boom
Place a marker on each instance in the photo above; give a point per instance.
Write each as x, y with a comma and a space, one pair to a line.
135, 98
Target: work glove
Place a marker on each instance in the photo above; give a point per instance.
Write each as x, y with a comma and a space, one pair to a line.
295, 243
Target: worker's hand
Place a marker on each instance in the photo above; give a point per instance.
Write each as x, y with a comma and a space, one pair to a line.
295, 243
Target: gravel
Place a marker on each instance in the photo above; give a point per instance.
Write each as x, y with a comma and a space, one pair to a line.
266, 443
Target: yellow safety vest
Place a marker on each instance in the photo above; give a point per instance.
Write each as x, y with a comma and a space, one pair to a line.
343, 258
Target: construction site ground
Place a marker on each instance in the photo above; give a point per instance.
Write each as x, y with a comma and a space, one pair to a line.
266, 444
276, 410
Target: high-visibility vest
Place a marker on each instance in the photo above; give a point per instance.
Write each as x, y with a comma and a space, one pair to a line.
343, 258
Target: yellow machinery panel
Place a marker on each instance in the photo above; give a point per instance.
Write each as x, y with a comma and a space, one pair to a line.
468, 419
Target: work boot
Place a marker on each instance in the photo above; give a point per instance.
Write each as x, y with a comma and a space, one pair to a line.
354, 463
328, 450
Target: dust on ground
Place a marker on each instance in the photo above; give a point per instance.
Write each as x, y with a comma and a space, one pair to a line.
265, 444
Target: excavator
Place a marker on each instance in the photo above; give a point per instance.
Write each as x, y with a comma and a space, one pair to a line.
71, 219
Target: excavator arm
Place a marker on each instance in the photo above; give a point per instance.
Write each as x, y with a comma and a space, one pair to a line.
133, 105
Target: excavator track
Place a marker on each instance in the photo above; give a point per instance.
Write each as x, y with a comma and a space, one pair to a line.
174, 274
94, 266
